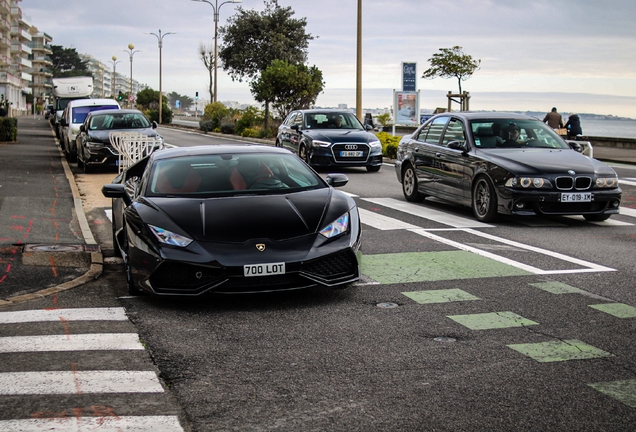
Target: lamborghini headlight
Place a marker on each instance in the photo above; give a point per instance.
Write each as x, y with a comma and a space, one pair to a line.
169, 238
336, 227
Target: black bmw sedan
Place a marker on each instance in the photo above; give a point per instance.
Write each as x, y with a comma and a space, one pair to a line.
94, 147
232, 219
323, 137
504, 164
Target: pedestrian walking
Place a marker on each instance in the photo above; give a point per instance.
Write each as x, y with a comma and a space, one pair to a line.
553, 119
573, 126
3, 112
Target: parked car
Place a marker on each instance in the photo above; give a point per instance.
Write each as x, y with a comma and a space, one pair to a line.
504, 164
330, 138
231, 219
73, 116
93, 141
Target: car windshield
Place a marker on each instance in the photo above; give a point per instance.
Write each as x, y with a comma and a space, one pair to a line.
327, 120
118, 121
231, 174
515, 133
79, 113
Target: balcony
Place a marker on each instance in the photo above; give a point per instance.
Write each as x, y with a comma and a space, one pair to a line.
21, 33
9, 78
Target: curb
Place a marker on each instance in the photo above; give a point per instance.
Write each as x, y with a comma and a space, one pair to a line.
97, 259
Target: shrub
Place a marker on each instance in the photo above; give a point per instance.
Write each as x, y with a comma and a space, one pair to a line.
252, 132
228, 126
206, 125
8, 128
389, 144
248, 118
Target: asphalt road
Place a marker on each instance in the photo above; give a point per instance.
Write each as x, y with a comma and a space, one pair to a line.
525, 324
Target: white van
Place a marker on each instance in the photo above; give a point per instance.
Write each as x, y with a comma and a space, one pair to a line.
73, 116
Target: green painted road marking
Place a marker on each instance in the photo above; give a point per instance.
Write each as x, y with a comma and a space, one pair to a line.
557, 288
493, 320
440, 296
623, 391
554, 351
620, 310
433, 266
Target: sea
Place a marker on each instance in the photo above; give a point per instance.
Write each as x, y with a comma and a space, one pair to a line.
609, 128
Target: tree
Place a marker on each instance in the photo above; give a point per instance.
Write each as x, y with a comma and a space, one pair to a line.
288, 86
184, 101
252, 40
148, 102
452, 63
66, 62
206, 54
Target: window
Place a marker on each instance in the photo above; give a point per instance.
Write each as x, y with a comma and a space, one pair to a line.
435, 132
454, 132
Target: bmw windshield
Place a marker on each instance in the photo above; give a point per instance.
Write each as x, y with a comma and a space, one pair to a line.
515, 133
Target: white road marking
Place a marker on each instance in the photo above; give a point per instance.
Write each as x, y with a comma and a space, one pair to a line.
109, 214
78, 382
101, 424
428, 213
71, 342
628, 211
608, 222
382, 222
627, 182
80, 314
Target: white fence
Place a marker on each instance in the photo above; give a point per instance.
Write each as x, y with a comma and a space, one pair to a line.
132, 147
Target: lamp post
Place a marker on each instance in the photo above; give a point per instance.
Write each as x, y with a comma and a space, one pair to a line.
101, 70
216, 6
130, 52
359, 63
114, 62
160, 41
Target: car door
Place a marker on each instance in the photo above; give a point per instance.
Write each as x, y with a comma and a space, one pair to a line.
450, 161
284, 131
425, 147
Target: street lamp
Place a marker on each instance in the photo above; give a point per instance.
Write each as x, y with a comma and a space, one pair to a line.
216, 6
160, 41
113, 84
130, 52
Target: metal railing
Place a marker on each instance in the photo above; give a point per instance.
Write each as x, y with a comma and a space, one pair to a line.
132, 147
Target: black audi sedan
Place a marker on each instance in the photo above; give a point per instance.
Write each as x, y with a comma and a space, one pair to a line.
500, 163
94, 147
326, 137
232, 219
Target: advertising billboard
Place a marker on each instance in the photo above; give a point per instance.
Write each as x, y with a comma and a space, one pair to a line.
409, 77
406, 105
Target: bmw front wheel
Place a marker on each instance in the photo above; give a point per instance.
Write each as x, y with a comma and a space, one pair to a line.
409, 185
484, 200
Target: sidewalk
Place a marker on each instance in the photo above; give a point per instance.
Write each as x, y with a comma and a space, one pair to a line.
46, 245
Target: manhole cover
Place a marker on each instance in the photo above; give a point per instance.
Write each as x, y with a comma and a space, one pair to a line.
387, 305
53, 248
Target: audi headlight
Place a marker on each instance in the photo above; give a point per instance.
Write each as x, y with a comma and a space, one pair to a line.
336, 227
317, 143
375, 144
528, 182
169, 238
606, 182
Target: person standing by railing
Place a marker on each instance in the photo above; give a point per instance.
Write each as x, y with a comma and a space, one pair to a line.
553, 119
573, 126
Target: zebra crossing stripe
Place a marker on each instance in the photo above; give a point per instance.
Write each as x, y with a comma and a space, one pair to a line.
382, 222
71, 342
78, 382
105, 424
79, 314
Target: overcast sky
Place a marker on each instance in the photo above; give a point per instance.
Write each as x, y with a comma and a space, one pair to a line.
577, 55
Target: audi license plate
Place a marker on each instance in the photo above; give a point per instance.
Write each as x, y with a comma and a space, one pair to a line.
576, 197
268, 269
351, 153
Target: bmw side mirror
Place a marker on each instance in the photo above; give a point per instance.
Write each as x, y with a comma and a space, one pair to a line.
457, 145
295, 127
575, 146
337, 179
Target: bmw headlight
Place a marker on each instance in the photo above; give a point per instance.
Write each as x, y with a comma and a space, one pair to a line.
528, 182
606, 182
375, 144
169, 238
317, 143
336, 227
